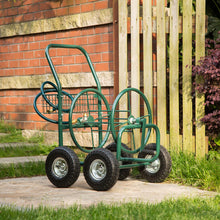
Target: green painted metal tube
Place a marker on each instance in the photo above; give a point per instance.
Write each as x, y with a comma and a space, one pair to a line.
140, 161
59, 87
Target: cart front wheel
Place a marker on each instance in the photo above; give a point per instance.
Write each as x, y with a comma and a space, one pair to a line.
159, 169
62, 167
101, 169
123, 173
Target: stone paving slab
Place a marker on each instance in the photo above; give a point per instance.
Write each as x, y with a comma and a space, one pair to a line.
38, 191
14, 160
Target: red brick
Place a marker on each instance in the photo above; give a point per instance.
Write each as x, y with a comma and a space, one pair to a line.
29, 71
4, 49
80, 59
95, 58
68, 60
39, 53
101, 29
24, 63
28, 54
4, 64
87, 7
39, 37
107, 57
13, 48
49, 14
61, 11
33, 8
101, 5
102, 66
94, 39
75, 68
10, 108
34, 46
24, 47
57, 61
12, 11
85, 68
35, 62
62, 69
44, 6
9, 72
102, 48
81, 41
107, 37
19, 72
22, 10
50, 36
13, 64
75, 9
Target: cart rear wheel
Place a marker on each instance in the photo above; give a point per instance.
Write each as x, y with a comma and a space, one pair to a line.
101, 169
89, 120
123, 173
124, 113
62, 167
159, 169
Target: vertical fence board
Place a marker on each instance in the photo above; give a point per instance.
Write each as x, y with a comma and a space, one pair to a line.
174, 75
123, 73
200, 52
123, 76
135, 62
161, 71
187, 76
147, 54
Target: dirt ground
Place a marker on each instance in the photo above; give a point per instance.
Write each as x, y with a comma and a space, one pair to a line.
36, 191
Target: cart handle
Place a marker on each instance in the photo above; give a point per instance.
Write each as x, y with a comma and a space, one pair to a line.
71, 47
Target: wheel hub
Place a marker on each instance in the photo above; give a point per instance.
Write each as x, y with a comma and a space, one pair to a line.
60, 167
154, 166
98, 169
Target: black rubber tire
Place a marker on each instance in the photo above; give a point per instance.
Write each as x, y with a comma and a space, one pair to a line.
164, 168
72, 163
105, 159
123, 173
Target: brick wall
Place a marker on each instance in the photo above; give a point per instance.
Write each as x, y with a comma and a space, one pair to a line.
24, 55
29, 10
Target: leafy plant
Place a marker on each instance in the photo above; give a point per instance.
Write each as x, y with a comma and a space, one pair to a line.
208, 73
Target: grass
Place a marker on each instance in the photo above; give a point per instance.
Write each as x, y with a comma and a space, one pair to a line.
15, 135
25, 151
188, 170
27, 169
184, 208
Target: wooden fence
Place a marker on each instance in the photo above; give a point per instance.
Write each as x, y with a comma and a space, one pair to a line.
177, 114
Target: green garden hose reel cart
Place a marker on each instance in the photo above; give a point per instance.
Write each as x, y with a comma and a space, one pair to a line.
114, 139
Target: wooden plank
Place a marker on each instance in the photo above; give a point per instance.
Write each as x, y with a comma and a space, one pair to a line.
135, 63
161, 71
200, 52
187, 76
167, 24
123, 73
122, 21
115, 48
174, 75
147, 55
